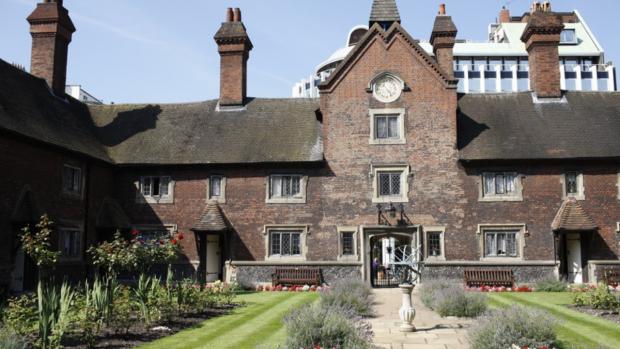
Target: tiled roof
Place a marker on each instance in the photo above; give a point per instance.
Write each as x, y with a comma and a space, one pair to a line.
267, 130
384, 11
512, 126
572, 217
212, 219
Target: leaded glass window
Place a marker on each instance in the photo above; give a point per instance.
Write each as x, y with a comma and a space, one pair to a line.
572, 187
434, 244
389, 183
285, 243
285, 186
347, 244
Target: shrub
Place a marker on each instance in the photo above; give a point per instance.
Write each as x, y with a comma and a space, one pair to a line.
551, 285
349, 293
454, 301
429, 288
598, 298
21, 316
11, 340
323, 326
520, 326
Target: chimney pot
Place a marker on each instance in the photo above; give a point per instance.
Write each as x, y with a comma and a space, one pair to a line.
229, 15
442, 9
237, 15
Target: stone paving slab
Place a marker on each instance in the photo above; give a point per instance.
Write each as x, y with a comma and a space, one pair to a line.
433, 332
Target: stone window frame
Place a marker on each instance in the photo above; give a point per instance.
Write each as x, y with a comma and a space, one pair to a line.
222, 198
581, 191
522, 233
404, 183
167, 199
303, 240
441, 229
65, 191
72, 226
518, 196
171, 228
618, 185
374, 113
303, 185
348, 229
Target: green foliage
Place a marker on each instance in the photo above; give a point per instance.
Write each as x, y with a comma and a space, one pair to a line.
551, 285
121, 318
37, 244
520, 326
349, 293
598, 298
323, 326
455, 301
145, 296
54, 306
113, 256
21, 315
11, 340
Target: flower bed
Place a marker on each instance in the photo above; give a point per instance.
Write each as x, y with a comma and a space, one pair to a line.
280, 288
522, 288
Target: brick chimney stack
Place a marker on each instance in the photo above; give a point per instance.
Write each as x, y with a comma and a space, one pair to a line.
443, 39
51, 29
504, 15
542, 39
234, 46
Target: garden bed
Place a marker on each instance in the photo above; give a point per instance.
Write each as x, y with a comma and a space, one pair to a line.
613, 316
138, 335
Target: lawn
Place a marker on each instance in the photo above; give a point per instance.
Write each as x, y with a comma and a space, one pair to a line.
257, 323
577, 330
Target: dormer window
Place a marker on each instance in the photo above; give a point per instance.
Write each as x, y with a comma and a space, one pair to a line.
155, 190
568, 37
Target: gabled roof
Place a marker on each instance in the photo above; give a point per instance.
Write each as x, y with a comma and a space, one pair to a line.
265, 131
513, 126
572, 217
386, 37
28, 108
211, 220
384, 11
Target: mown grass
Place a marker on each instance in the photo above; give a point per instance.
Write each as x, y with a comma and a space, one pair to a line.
577, 330
257, 323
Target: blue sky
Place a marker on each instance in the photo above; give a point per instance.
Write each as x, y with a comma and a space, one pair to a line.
143, 51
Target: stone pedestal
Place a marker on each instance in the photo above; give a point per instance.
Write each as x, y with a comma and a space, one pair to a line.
407, 312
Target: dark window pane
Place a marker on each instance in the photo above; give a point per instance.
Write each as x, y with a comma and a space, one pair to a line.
434, 244
347, 244
571, 183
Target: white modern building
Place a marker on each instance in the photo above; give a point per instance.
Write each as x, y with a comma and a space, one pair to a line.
501, 64
77, 92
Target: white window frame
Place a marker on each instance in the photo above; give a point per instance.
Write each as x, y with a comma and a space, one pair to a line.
574, 42
404, 183
521, 229
442, 232
297, 199
81, 183
581, 193
171, 228
155, 199
355, 255
517, 195
618, 185
222, 198
303, 229
80, 234
400, 114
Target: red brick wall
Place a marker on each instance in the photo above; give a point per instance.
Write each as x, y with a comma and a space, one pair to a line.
233, 74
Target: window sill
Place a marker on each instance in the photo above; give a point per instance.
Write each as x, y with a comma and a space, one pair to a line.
285, 259
218, 200
286, 201
390, 199
500, 259
348, 258
387, 141
578, 197
154, 200
501, 199
435, 259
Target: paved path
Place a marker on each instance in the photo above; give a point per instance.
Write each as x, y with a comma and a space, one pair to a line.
433, 332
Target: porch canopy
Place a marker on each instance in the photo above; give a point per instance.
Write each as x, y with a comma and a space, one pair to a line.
212, 219
572, 217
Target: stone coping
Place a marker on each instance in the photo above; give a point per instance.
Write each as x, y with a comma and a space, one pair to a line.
294, 263
490, 263
605, 262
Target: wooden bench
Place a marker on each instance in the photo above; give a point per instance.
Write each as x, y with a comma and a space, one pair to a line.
612, 277
489, 277
296, 276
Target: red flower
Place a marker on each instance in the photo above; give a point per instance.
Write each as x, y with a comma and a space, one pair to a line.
135, 232
180, 236
173, 241
161, 242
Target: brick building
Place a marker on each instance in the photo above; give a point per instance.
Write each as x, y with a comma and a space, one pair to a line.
389, 159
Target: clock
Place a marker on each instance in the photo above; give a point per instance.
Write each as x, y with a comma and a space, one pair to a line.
387, 89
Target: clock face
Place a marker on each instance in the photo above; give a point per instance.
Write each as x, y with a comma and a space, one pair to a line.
387, 89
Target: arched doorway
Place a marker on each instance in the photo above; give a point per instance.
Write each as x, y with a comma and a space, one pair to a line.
386, 251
